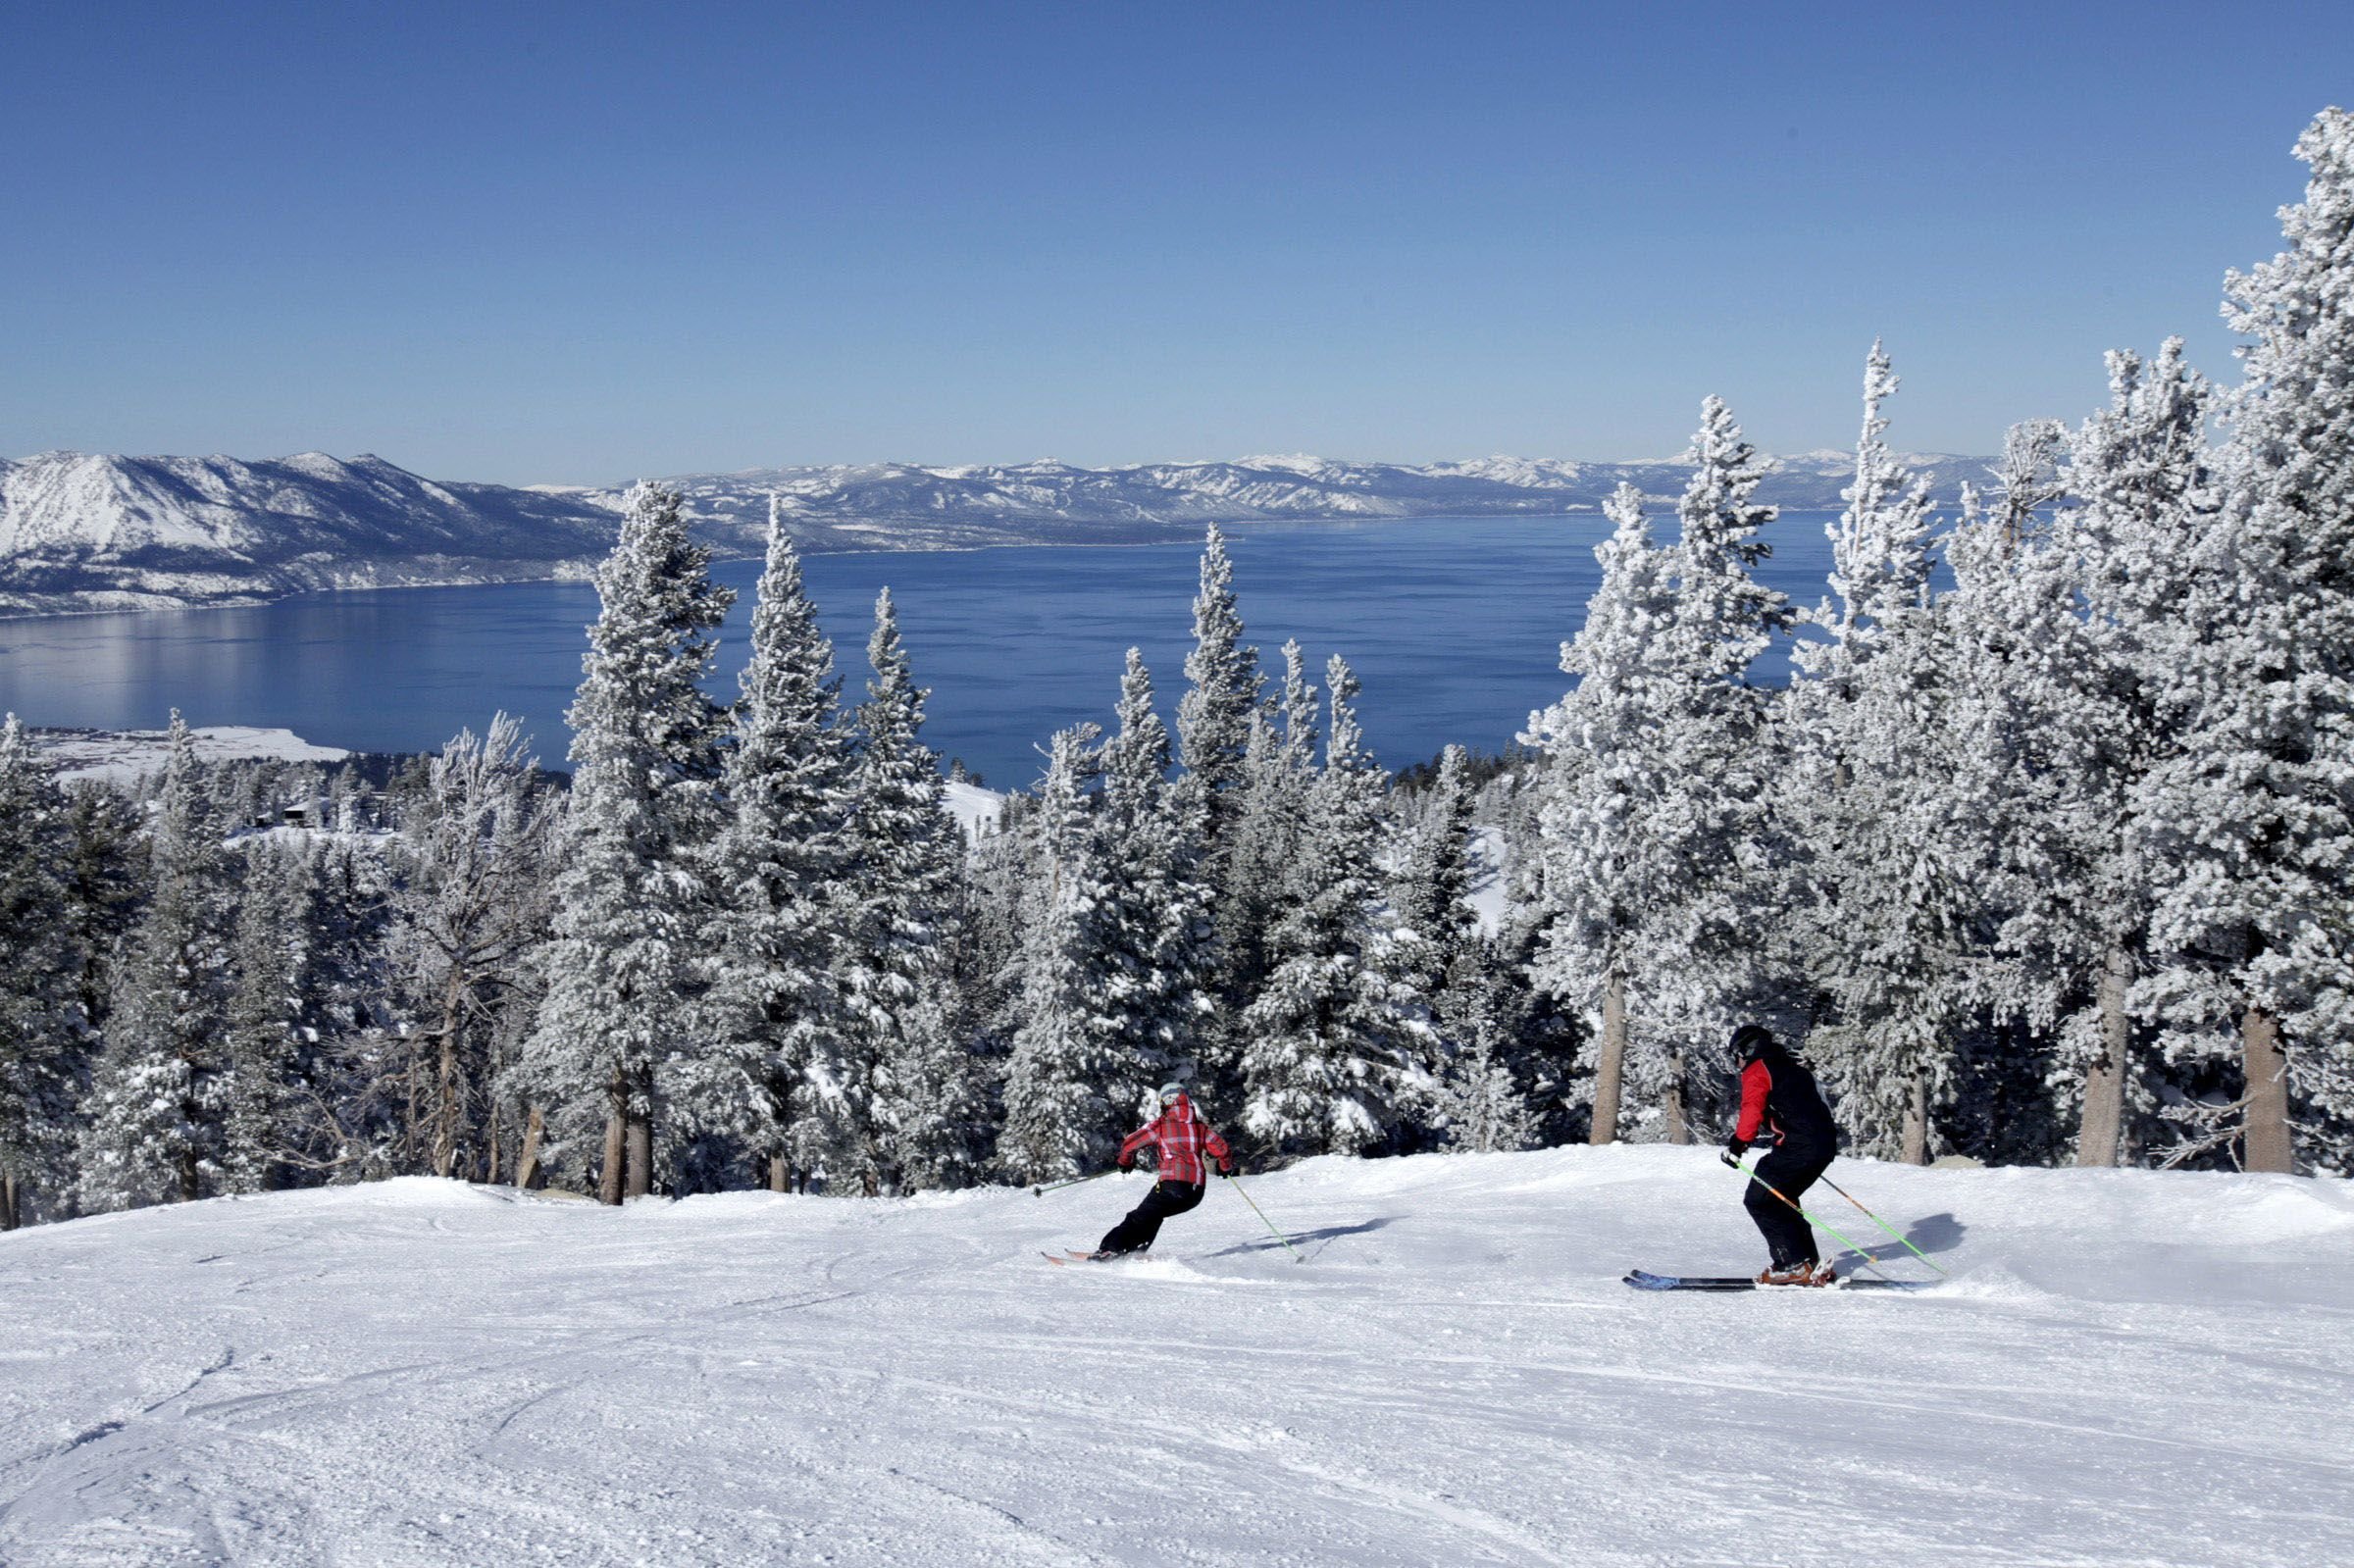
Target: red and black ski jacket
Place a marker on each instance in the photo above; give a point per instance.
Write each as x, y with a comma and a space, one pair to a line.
1779, 1100
1181, 1138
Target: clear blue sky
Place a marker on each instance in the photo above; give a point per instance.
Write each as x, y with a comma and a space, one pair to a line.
577, 243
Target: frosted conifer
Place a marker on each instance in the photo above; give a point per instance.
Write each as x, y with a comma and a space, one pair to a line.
1328, 1034
776, 865
1604, 870
906, 1088
43, 1035
2251, 826
1067, 1090
631, 896
153, 1133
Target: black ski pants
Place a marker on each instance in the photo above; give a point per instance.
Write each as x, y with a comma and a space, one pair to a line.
1137, 1231
1789, 1170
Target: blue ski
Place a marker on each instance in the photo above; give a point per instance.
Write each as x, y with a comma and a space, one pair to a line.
1643, 1281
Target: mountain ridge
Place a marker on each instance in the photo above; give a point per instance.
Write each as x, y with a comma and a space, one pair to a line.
85, 532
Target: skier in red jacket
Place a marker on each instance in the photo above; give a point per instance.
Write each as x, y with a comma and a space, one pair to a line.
1181, 1138
1780, 1105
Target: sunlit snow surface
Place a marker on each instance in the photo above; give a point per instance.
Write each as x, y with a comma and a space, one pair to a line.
2130, 1368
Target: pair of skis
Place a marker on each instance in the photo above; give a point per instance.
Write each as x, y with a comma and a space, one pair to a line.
1640, 1280
1065, 1258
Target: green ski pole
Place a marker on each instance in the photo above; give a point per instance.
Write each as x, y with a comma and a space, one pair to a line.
1860, 1254
1270, 1224
1884, 1225
1056, 1186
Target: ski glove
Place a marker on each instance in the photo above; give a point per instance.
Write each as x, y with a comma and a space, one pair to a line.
1127, 1165
1734, 1151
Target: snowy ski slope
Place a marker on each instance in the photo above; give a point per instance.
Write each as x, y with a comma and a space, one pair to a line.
2131, 1368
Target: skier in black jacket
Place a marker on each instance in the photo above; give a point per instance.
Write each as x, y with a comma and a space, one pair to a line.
1782, 1106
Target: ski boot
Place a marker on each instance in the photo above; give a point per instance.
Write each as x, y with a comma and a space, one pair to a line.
1814, 1274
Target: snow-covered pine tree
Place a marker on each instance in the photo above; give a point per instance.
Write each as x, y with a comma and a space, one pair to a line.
1067, 1090
1431, 889
260, 1067
776, 864
909, 1096
1866, 801
471, 861
44, 1039
1330, 1029
2019, 706
2091, 635
631, 895
1218, 719
104, 881
1715, 819
1603, 871
2250, 828
1155, 937
1483, 1104
1213, 717
153, 1129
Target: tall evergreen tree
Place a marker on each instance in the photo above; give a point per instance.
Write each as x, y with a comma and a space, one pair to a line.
472, 861
776, 864
1067, 1088
1714, 818
153, 1133
44, 1039
260, 1068
1431, 890
1866, 804
908, 1091
631, 895
1155, 931
1331, 1028
1604, 868
1213, 717
2251, 825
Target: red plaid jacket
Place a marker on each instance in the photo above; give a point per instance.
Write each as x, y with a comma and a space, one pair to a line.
1181, 1137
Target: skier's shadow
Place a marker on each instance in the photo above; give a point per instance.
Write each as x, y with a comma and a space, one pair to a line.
1327, 1235
1936, 1233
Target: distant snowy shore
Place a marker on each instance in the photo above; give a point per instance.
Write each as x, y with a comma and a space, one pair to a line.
120, 755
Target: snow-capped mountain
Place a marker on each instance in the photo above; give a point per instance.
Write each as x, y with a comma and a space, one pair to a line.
910, 506
88, 532
91, 533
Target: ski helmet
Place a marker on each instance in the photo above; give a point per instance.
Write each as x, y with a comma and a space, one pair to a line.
1748, 1041
1171, 1092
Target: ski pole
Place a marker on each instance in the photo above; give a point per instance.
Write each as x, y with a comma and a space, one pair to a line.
1263, 1220
1860, 1254
1883, 1225
1056, 1186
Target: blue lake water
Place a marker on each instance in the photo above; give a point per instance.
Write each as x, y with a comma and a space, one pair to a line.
1454, 626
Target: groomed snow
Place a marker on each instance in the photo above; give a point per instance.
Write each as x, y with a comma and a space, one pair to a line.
2130, 1368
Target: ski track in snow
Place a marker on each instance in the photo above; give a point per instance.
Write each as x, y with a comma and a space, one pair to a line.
2129, 1368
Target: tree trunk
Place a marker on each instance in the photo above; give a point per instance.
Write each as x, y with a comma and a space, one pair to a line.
1611, 1066
2100, 1131
2268, 1144
490, 1158
446, 1081
10, 1215
642, 1139
780, 1174
617, 1113
527, 1162
1678, 1130
1917, 1122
